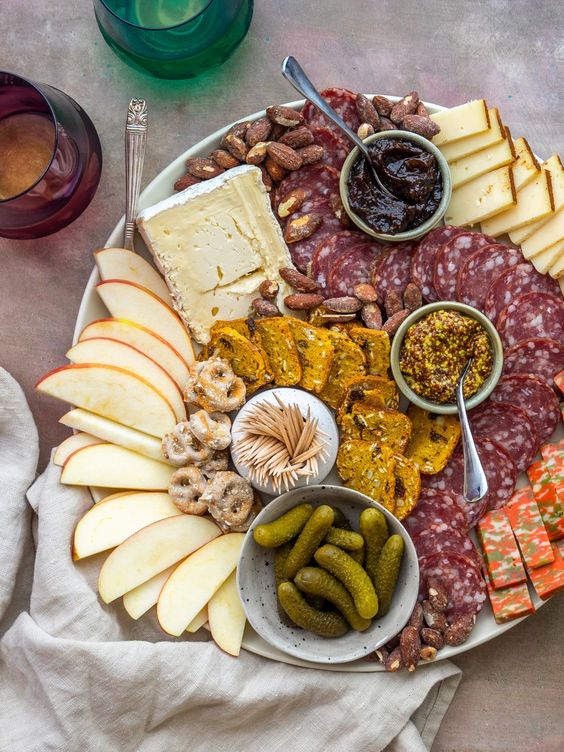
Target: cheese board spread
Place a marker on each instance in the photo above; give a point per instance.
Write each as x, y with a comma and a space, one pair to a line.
181, 382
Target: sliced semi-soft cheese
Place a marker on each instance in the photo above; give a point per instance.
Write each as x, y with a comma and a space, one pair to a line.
481, 198
548, 261
534, 202
472, 144
554, 165
466, 169
526, 168
462, 121
549, 234
215, 243
557, 268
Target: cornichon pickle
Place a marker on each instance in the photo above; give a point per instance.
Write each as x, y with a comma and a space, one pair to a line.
282, 530
340, 519
324, 623
358, 556
348, 540
387, 570
316, 581
353, 577
309, 539
374, 529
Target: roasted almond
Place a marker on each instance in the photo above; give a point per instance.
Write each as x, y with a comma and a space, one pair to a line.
185, 182
301, 227
276, 172
311, 154
420, 124
303, 301
421, 110
265, 308
277, 132
338, 209
382, 105
257, 153
386, 124
371, 315
365, 130
412, 298
236, 146
203, 168
392, 324
393, 303
238, 129
459, 631
297, 138
285, 116
344, 304
258, 131
224, 159
406, 106
266, 179
284, 155
427, 653
269, 289
367, 112
410, 645
297, 280
291, 202
365, 293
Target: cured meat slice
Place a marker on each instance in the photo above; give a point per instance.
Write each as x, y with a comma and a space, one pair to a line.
531, 315
451, 257
510, 427
481, 270
336, 148
329, 250
543, 357
442, 538
535, 397
514, 282
460, 577
435, 507
394, 271
315, 180
423, 261
451, 481
342, 101
352, 268
302, 251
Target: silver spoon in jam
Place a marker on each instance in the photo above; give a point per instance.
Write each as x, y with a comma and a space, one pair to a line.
475, 481
293, 72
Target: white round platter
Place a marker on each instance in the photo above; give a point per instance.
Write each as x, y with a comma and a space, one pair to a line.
91, 308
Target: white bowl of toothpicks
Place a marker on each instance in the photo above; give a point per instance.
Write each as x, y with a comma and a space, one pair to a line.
284, 439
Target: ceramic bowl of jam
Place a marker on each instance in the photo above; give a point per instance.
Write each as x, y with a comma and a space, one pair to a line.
430, 349
413, 170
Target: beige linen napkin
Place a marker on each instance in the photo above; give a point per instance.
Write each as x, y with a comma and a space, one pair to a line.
77, 675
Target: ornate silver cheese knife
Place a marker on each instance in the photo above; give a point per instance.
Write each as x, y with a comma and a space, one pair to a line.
135, 142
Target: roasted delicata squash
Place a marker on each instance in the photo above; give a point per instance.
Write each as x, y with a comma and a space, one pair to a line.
433, 440
375, 345
316, 354
243, 355
373, 391
385, 426
407, 486
278, 343
348, 362
368, 467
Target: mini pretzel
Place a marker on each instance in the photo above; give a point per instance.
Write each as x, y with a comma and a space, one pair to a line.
186, 488
216, 387
229, 498
190, 395
218, 461
181, 447
212, 429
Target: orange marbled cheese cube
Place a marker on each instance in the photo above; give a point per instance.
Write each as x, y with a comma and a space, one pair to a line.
500, 550
549, 579
528, 527
551, 505
510, 602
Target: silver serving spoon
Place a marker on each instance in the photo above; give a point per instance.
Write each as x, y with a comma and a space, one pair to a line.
475, 481
293, 72
135, 142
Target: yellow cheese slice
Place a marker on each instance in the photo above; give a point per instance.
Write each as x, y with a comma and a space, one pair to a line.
554, 165
473, 144
557, 268
462, 121
549, 234
482, 198
534, 202
526, 167
547, 261
466, 169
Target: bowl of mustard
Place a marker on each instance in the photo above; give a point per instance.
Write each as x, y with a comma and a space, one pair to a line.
432, 346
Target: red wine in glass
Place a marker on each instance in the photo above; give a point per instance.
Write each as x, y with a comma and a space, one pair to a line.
50, 158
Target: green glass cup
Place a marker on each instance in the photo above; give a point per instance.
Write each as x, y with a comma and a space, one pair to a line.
173, 38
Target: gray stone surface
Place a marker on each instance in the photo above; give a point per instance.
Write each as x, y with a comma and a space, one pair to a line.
508, 51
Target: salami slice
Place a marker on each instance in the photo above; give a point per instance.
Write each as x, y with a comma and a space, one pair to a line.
329, 250
535, 397
423, 261
531, 315
514, 282
435, 507
542, 357
481, 270
461, 578
451, 257
315, 180
442, 538
335, 147
342, 101
352, 268
394, 272
302, 251
510, 427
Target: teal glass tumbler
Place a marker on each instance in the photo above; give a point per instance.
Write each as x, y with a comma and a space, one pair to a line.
173, 38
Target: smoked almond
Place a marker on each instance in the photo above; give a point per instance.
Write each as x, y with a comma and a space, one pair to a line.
284, 156
301, 227
311, 154
224, 159
285, 116
258, 131
203, 168
297, 138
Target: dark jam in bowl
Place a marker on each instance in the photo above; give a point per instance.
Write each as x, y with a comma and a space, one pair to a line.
408, 171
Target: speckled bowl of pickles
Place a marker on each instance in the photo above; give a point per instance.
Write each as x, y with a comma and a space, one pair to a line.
327, 575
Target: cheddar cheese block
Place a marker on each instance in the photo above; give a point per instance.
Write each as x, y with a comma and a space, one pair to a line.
529, 530
499, 548
472, 144
461, 122
482, 198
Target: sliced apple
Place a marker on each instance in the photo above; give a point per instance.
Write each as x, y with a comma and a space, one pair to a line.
111, 466
71, 444
152, 550
113, 392
143, 339
139, 600
110, 522
193, 582
112, 352
114, 433
226, 617
119, 263
130, 301
198, 621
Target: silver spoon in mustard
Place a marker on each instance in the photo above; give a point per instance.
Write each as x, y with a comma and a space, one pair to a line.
475, 481
294, 73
